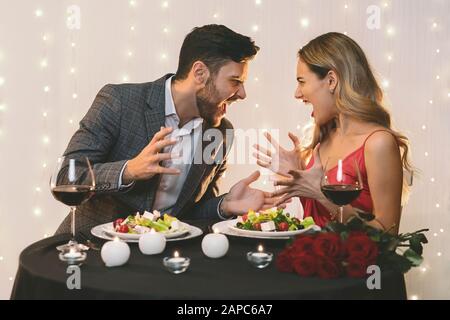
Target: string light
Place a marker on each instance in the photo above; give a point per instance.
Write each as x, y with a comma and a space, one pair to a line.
439, 254
298, 127
45, 139
73, 44
132, 3
257, 2
38, 189
441, 230
38, 13
390, 31
166, 30
432, 180
44, 63
424, 127
438, 50
2, 81
385, 83
132, 28
414, 297
438, 77
1, 258
130, 53
430, 102
426, 154
435, 234
345, 6
423, 269
2, 107
72, 70
304, 22
255, 28
165, 4
46, 89
256, 106
437, 205
215, 15
74, 96
37, 212
435, 25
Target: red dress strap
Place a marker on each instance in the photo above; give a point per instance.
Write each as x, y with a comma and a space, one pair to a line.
367, 138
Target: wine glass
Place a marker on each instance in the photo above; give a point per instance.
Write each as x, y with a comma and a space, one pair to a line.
72, 183
341, 183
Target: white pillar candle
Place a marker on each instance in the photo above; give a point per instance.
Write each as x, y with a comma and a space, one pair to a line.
152, 242
115, 253
215, 245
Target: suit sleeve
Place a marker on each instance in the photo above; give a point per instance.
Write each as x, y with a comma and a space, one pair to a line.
96, 137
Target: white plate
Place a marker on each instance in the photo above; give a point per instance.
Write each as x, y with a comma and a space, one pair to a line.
101, 231
229, 227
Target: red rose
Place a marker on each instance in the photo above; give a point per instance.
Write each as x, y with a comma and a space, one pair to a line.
361, 246
284, 261
328, 245
303, 244
305, 265
357, 267
328, 268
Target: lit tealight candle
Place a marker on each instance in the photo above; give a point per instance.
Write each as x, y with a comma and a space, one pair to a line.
215, 245
115, 253
260, 259
72, 256
176, 264
152, 242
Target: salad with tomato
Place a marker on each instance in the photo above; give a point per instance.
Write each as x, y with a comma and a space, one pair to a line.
139, 224
272, 220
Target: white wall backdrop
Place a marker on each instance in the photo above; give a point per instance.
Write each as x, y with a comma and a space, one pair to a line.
50, 71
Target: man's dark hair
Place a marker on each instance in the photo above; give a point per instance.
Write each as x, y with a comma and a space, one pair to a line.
214, 45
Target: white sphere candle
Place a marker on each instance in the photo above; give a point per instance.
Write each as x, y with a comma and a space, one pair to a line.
152, 242
215, 245
115, 253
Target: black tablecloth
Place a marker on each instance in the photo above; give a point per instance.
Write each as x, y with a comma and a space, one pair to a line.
41, 275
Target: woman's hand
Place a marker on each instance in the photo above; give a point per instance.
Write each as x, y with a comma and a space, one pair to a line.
302, 183
281, 161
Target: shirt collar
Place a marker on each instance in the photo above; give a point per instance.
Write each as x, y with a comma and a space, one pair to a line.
170, 111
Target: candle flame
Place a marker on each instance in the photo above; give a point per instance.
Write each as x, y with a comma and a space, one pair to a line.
116, 238
339, 176
152, 230
176, 254
260, 248
215, 230
72, 250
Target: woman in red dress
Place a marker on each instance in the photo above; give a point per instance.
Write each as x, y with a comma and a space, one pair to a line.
351, 123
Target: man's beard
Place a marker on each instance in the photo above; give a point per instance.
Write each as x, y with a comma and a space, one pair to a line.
208, 102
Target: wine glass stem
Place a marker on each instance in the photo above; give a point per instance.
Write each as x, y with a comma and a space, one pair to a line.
72, 223
341, 214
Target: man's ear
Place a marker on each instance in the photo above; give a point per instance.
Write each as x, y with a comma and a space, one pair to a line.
200, 72
332, 81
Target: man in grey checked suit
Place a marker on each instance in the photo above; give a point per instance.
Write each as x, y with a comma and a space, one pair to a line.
142, 139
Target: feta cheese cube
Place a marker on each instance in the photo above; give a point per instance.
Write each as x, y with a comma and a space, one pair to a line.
175, 225
268, 226
149, 216
157, 214
239, 219
141, 229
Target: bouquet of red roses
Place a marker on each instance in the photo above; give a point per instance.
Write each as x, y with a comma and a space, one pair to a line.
349, 249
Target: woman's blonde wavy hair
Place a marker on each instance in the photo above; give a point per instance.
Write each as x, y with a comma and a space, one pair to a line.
358, 94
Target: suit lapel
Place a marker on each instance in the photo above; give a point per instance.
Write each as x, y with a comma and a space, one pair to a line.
155, 118
196, 174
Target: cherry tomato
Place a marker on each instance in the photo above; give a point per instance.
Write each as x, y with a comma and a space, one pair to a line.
245, 217
123, 229
283, 226
257, 226
117, 222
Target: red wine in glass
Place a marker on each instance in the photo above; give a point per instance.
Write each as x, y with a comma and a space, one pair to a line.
72, 195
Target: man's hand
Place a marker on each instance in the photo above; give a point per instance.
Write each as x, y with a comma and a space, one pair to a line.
242, 198
147, 163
